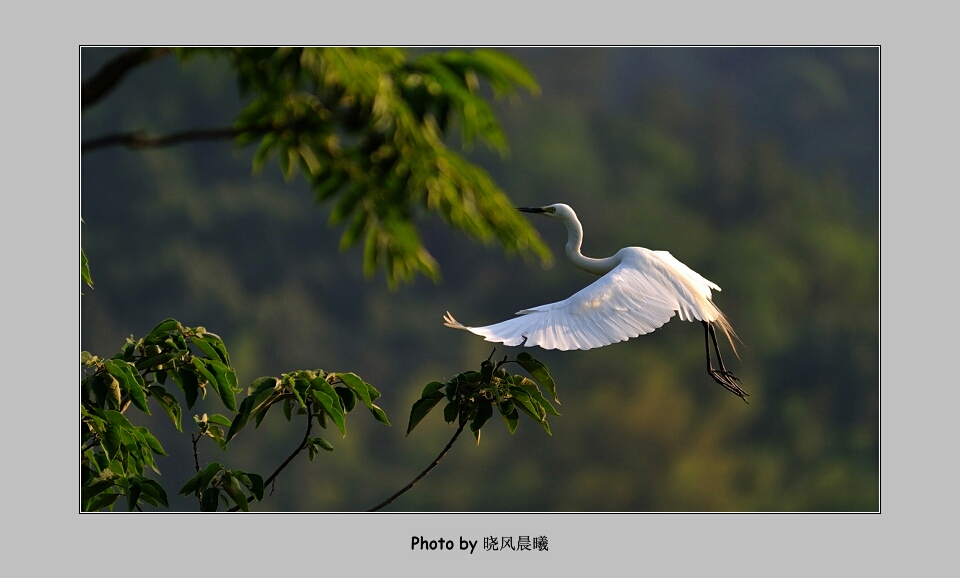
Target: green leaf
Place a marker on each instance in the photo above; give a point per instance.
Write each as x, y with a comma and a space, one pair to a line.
206, 348
353, 231
204, 372
451, 411
223, 379
168, 403
262, 384
133, 495
432, 389
527, 404
151, 441
209, 500
226, 383
379, 414
420, 410
264, 150
509, 67
531, 388
158, 361
111, 391
130, 380
347, 397
219, 419
323, 444
530, 407
539, 372
192, 486
331, 405
235, 491
357, 385
484, 413
255, 483
512, 418
95, 488
208, 473
155, 491
187, 380
85, 270
101, 501
242, 417
110, 441
166, 326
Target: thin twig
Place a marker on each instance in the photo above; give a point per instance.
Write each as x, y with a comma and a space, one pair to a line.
141, 140
196, 460
422, 474
303, 444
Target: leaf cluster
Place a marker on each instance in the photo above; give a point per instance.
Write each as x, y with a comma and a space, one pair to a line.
217, 485
325, 397
367, 128
115, 452
471, 396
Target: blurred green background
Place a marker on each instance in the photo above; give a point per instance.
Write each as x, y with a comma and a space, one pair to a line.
757, 167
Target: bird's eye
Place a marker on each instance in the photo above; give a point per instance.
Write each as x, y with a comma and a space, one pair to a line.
551, 209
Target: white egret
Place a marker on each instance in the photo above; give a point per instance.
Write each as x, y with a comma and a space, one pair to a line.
639, 290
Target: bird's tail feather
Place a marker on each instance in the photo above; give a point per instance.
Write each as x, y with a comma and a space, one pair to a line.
449, 321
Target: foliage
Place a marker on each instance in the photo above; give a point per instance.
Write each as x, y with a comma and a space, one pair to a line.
471, 396
731, 159
367, 128
115, 452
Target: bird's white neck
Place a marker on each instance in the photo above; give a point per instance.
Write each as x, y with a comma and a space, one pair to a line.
574, 240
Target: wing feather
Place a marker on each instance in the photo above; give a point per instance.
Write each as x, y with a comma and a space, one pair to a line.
636, 297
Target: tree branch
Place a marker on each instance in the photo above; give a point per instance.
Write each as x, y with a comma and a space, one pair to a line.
422, 474
196, 461
140, 140
303, 444
113, 72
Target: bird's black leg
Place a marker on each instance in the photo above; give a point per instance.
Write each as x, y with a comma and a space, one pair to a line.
725, 378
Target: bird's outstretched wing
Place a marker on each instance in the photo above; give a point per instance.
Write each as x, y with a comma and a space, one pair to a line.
636, 297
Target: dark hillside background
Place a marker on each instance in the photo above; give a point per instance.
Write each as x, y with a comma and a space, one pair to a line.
757, 167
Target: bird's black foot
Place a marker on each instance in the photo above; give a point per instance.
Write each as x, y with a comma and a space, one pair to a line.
730, 381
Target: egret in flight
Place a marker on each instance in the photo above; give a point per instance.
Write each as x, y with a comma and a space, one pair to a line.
639, 290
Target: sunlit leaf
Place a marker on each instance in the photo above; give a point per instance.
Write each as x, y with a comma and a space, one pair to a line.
235, 491
130, 381
151, 441
539, 372
165, 326
85, 270
219, 419
531, 388
420, 410
331, 405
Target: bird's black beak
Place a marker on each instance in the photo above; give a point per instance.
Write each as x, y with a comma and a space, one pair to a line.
531, 209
